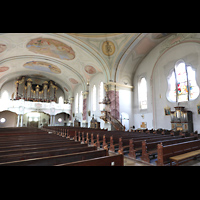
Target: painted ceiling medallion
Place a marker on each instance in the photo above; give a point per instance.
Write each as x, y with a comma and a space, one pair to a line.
42, 66
108, 48
3, 69
50, 47
73, 81
66, 89
2, 48
89, 69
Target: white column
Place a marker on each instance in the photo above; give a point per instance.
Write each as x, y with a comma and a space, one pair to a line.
50, 120
54, 119
18, 116
21, 120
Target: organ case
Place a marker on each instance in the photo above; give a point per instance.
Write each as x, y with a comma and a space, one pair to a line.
181, 119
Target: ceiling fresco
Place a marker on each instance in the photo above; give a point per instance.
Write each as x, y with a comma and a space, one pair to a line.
73, 81
3, 69
108, 48
73, 59
2, 48
90, 70
42, 66
51, 47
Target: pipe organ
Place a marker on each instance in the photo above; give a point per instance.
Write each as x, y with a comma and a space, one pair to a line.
28, 90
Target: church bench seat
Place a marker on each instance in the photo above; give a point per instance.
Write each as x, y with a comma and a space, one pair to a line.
184, 157
35, 142
42, 153
50, 147
115, 160
40, 144
59, 159
30, 141
150, 148
137, 142
167, 151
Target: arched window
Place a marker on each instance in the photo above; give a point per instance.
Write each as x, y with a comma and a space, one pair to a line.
81, 102
182, 84
5, 95
61, 100
101, 95
142, 93
94, 93
76, 104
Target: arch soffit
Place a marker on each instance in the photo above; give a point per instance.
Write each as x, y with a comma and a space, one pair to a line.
162, 54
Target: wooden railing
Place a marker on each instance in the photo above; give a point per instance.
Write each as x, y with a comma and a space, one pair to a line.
107, 117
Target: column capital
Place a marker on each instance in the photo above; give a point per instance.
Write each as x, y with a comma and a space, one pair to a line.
116, 86
71, 100
85, 94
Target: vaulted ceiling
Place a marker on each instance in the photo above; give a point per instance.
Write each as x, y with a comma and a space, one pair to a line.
70, 59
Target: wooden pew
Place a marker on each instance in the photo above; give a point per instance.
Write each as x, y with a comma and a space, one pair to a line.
15, 147
137, 138
184, 157
42, 153
30, 141
136, 143
50, 147
59, 159
167, 151
150, 148
115, 160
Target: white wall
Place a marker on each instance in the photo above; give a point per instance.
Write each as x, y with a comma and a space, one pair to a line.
155, 68
9, 87
95, 80
78, 115
125, 105
11, 119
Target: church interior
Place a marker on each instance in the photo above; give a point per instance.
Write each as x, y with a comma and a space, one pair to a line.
129, 86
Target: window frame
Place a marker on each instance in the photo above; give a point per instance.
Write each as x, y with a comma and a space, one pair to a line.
94, 98
139, 93
176, 82
81, 102
101, 106
77, 103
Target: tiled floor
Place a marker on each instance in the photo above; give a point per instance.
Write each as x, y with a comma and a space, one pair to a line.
132, 162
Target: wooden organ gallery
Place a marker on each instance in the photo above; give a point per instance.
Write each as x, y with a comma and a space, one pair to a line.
28, 90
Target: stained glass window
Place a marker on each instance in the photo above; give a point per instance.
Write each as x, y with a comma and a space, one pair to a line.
182, 83
193, 88
172, 87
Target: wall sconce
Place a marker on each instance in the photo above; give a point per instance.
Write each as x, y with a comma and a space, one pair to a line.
89, 113
142, 116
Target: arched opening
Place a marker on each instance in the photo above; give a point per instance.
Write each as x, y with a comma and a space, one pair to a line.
36, 119
8, 119
124, 117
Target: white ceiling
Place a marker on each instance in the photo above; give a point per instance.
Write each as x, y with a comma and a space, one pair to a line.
86, 49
